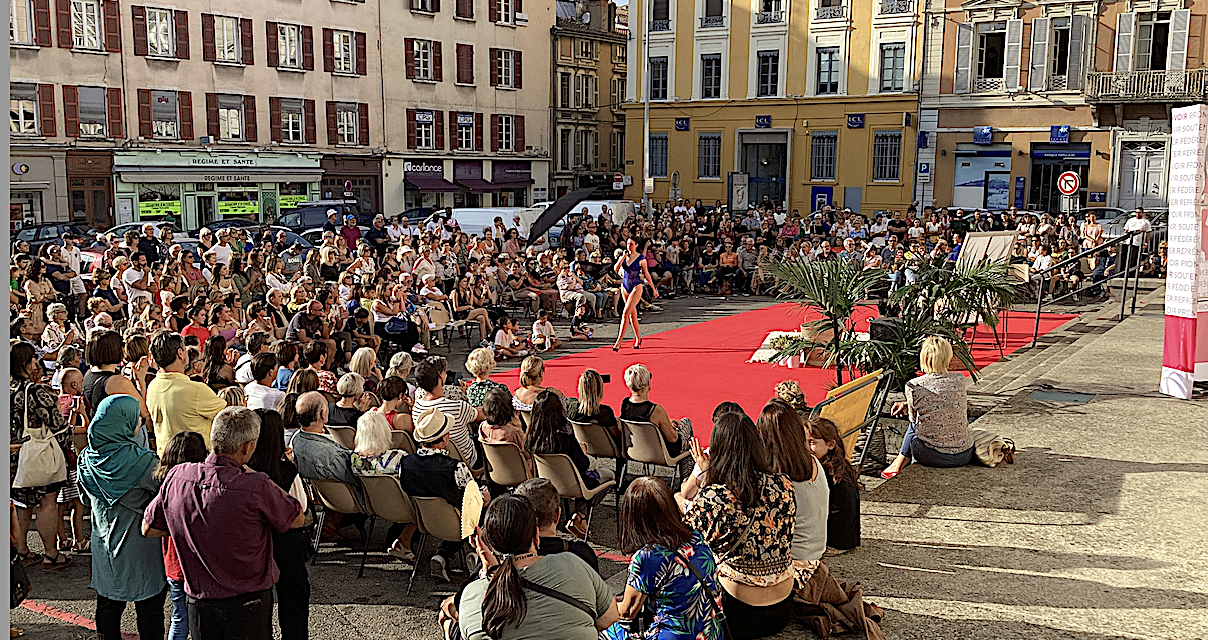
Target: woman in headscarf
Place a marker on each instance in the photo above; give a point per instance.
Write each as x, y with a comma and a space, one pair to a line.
116, 475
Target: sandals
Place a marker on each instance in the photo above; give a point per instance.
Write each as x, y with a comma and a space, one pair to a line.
888, 475
29, 557
577, 527
82, 546
406, 555
51, 564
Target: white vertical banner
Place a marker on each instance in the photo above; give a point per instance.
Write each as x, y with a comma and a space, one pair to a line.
1185, 350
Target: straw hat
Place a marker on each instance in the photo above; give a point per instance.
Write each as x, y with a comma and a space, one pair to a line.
431, 426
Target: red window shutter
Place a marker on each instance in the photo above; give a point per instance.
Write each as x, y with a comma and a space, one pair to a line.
144, 114
42, 33
361, 53
478, 132
494, 60
249, 118
517, 6
71, 111
453, 130
247, 52
465, 8
270, 44
184, 103
332, 133
363, 124
409, 57
308, 49
494, 10
113, 109
140, 30
308, 116
180, 20
113, 27
212, 115
435, 6
46, 109
438, 63
517, 70
438, 129
494, 132
518, 132
274, 119
410, 128
63, 20
209, 51
465, 63
329, 50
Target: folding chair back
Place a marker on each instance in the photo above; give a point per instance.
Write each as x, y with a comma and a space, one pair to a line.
526, 418
560, 470
402, 440
596, 440
851, 407
344, 436
387, 500
439, 518
336, 496
506, 462
645, 444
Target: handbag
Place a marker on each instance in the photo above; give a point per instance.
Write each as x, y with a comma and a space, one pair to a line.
714, 597
554, 593
40, 461
397, 324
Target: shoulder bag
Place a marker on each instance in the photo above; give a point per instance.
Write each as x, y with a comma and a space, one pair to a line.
554, 593
714, 596
40, 461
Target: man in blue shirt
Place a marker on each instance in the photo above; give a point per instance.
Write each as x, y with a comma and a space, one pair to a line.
956, 248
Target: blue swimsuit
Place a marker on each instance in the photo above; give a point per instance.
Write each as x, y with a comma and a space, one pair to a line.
632, 276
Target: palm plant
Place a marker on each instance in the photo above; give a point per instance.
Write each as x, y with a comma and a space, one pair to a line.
962, 297
835, 288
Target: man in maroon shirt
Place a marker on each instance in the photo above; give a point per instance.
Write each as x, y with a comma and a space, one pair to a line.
221, 516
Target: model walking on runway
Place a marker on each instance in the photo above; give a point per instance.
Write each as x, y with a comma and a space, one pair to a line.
634, 272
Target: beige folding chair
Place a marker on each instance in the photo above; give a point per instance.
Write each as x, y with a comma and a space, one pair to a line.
506, 463
330, 397
644, 443
436, 518
855, 408
526, 418
344, 436
338, 497
560, 470
598, 443
387, 501
402, 440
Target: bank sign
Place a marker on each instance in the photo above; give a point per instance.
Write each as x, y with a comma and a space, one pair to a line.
421, 166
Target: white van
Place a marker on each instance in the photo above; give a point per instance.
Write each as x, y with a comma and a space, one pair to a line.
621, 210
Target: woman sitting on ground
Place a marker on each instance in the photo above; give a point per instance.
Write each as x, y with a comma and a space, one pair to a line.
589, 406
746, 514
780, 428
480, 363
653, 531
843, 521
938, 435
396, 403
549, 433
638, 408
501, 606
532, 374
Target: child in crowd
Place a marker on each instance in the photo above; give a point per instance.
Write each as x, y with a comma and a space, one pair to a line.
544, 336
579, 329
69, 358
843, 524
506, 343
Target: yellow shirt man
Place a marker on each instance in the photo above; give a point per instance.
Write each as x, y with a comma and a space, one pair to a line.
180, 404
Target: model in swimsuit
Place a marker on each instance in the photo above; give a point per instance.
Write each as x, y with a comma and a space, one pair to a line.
634, 274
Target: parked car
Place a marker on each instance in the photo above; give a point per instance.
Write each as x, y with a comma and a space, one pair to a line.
40, 234
121, 229
1114, 227
90, 261
315, 236
308, 215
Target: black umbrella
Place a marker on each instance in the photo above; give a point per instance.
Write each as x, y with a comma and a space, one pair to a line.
556, 212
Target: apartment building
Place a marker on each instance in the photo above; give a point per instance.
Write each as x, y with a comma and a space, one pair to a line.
1016, 93
590, 54
815, 102
472, 128
124, 111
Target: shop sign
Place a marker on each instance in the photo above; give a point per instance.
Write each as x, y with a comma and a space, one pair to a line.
763, 122
1059, 134
424, 166
509, 171
855, 121
1020, 183
160, 209
983, 135
681, 124
291, 201
211, 161
238, 207
1096, 196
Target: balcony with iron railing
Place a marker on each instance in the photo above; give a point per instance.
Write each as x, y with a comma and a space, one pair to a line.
660, 25
831, 13
769, 17
896, 7
712, 22
1147, 86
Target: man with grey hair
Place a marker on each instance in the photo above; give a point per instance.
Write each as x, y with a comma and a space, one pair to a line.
317, 456
203, 507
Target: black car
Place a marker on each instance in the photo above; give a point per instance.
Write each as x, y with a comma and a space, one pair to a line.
50, 232
309, 215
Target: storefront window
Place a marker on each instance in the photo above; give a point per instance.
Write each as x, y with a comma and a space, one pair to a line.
158, 201
238, 201
24, 209
292, 194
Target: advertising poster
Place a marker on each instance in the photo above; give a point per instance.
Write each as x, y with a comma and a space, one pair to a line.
158, 201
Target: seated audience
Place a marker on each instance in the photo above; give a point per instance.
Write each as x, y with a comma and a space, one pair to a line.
500, 423
550, 433
480, 363
261, 394
638, 408
344, 412
843, 521
547, 506
431, 374
532, 374
396, 404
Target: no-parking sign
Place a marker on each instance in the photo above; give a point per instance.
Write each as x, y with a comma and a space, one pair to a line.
1067, 183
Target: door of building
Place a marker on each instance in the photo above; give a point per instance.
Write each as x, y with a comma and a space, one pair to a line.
765, 164
1142, 177
1049, 162
90, 201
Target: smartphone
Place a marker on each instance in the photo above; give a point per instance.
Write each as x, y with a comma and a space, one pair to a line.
607, 377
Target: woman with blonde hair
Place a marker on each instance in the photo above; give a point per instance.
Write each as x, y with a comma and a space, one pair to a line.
480, 363
532, 374
364, 362
233, 396
589, 406
372, 455
638, 408
938, 435
302, 381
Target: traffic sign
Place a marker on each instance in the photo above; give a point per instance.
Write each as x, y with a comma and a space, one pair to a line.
1067, 183
618, 181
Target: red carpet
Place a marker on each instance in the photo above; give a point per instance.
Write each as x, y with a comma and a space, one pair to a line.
696, 367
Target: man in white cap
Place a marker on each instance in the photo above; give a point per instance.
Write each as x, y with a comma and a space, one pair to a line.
433, 473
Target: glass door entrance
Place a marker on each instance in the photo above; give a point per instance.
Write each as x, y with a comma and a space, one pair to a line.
765, 165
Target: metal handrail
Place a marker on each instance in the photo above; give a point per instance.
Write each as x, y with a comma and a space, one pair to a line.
1093, 250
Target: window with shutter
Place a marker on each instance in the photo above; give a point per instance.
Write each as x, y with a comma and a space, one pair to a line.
21, 22
465, 64
308, 49
360, 54
113, 26
84, 22
249, 118
64, 22
494, 132
71, 111
1074, 71
42, 30
247, 52
1012, 52
93, 112
1180, 28
962, 79
184, 100
46, 110
409, 57
464, 9
478, 131
293, 121
180, 24
289, 46
139, 18
228, 116
1038, 55
363, 124
308, 112
332, 129
439, 130
438, 63
23, 110
158, 33
411, 129
329, 63
113, 113
348, 124
165, 115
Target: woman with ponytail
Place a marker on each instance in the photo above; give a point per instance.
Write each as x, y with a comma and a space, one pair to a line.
526, 595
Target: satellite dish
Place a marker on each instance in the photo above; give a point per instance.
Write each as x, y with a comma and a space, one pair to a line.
587, 18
